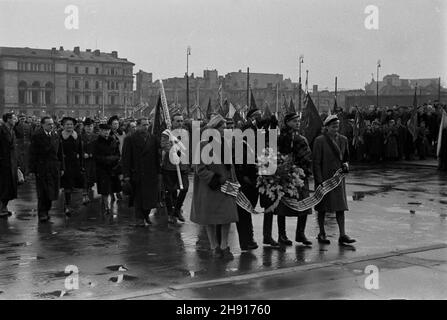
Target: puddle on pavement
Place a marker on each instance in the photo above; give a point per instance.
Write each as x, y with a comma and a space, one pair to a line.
61, 274
443, 201
123, 277
359, 195
53, 294
118, 267
415, 203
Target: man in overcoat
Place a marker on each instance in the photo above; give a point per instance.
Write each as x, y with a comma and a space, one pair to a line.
46, 163
141, 167
330, 153
8, 163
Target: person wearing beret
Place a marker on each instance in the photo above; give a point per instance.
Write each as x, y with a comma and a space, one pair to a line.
211, 207
330, 153
73, 162
107, 159
88, 138
290, 142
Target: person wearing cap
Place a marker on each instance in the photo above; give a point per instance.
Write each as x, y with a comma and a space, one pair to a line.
174, 196
210, 206
290, 142
141, 168
8, 163
73, 162
46, 163
88, 138
107, 160
247, 177
330, 153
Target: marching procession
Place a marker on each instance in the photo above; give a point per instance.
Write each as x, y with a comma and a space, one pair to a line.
128, 158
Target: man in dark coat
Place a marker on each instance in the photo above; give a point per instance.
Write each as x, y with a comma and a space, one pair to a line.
247, 175
330, 153
8, 163
46, 164
141, 167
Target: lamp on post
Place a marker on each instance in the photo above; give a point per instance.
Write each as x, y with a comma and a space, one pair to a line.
301, 60
188, 53
377, 84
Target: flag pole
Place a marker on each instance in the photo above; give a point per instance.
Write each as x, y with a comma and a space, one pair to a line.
248, 87
277, 97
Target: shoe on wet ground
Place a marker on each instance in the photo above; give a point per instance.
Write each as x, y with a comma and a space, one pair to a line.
271, 242
302, 238
226, 254
322, 239
285, 241
345, 240
179, 216
251, 246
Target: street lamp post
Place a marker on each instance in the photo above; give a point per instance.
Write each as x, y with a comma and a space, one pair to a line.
301, 60
188, 53
377, 84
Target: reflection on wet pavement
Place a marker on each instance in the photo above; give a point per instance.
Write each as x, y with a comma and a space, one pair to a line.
389, 209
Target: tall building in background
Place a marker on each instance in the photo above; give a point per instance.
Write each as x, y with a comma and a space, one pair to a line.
64, 82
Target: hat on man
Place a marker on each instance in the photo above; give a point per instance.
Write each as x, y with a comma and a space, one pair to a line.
104, 126
88, 122
330, 119
215, 122
252, 112
65, 119
291, 116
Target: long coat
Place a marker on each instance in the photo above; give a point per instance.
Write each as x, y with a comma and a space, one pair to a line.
209, 205
88, 142
46, 163
8, 164
107, 157
141, 163
325, 164
73, 162
296, 145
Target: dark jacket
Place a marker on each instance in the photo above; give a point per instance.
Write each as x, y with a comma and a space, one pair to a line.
141, 163
107, 158
8, 164
46, 163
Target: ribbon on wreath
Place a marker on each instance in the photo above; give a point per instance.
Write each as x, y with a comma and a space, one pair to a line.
232, 189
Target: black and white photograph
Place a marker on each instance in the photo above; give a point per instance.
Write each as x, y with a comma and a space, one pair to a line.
221, 155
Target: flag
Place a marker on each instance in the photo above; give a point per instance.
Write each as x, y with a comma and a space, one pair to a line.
358, 127
311, 120
231, 110
237, 117
442, 126
224, 109
413, 121
209, 109
267, 113
156, 125
291, 108
252, 101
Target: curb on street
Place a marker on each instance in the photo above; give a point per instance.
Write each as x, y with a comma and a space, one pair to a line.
268, 273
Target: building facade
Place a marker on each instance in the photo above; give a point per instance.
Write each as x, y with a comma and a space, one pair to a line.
393, 85
64, 82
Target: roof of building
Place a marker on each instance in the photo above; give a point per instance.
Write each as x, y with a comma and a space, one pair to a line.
63, 54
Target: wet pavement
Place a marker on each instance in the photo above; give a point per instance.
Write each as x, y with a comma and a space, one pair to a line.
391, 208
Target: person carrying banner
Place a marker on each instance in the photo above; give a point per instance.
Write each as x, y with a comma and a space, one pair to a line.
330, 153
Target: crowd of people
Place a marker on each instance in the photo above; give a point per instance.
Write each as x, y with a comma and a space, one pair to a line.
127, 158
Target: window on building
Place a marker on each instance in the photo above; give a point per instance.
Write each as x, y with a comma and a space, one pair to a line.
97, 85
113, 85
112, 100
22, 92
76, 70
76, 99
86, 70
48, 93
35, 92
86, 85
96, 99
76, 84
87, 99
97, 70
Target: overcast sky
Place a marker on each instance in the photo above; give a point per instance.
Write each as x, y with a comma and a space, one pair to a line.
265, 35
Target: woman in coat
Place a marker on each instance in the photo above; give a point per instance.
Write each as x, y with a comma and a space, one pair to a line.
8, 163
72, 157
330, 153
210, 206
107, 157
88, 139
391, 141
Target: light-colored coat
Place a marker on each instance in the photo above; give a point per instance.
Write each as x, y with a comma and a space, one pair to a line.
325, 164
212, 206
